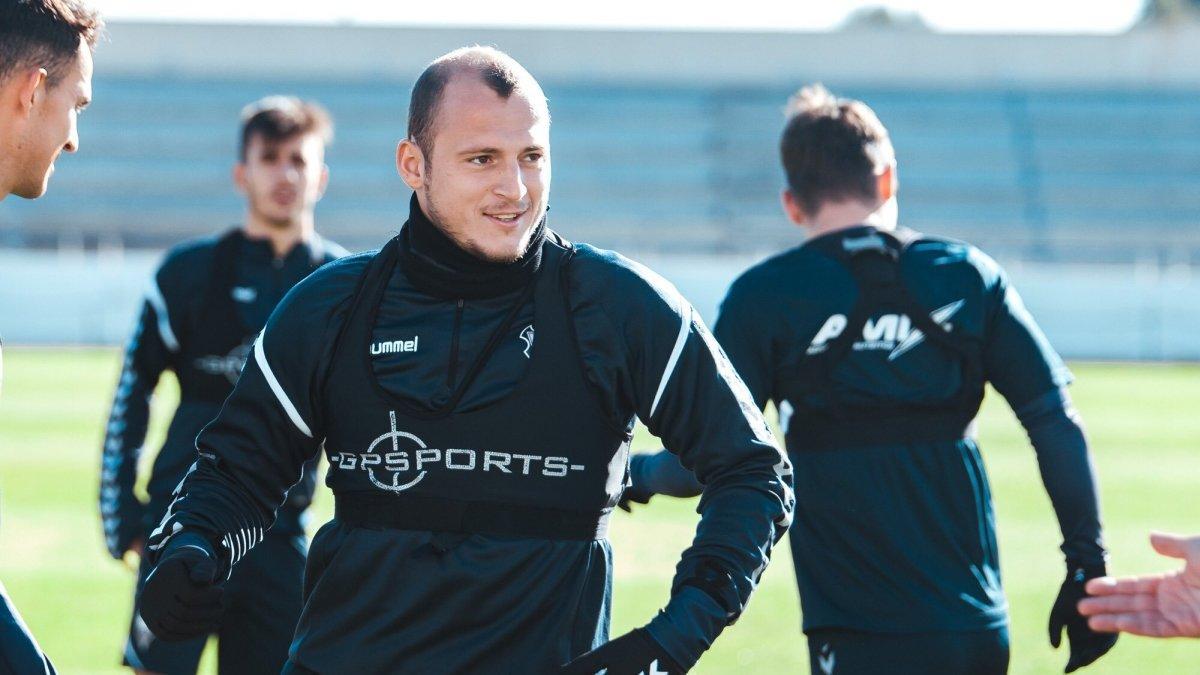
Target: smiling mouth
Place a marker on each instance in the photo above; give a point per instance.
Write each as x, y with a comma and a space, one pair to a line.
505, 219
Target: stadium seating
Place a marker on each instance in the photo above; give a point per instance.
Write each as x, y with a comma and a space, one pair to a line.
1039, 175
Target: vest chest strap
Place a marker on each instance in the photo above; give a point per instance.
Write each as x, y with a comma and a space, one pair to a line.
437, 514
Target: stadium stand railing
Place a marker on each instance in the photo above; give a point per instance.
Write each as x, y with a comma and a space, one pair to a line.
1045, 175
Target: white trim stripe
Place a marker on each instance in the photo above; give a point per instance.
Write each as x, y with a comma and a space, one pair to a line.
685, 323
260, 357
155, 297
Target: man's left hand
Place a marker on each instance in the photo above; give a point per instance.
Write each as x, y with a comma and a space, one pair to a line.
633, 495
1086, 644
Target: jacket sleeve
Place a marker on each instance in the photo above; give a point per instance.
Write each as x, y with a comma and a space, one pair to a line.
1025, 369
660, 473
686, 392
747, 342
747, 339
149, 352
254, 451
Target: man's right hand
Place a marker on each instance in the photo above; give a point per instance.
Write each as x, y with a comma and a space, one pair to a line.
634, 653
181, 598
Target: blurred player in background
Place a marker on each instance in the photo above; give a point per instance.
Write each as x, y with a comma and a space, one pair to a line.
205, 304
875, 342
475, 384
45, 83
1154, 605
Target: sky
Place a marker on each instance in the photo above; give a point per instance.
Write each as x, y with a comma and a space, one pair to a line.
997, 16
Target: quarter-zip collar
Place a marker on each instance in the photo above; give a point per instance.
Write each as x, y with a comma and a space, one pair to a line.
437, 266
260, 251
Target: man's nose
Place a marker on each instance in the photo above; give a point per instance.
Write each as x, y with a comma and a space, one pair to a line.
510, 182
72, 143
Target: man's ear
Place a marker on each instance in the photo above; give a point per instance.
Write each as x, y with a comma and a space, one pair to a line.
886, 183
239, 177
324, 184
411, 165
791, 207
28, 86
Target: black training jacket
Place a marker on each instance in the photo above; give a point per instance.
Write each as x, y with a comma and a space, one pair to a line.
177, 314
643, 351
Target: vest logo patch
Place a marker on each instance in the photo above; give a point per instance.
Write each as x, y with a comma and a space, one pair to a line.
244, 294
526, 336
890, 332
230, 365
398, 460
395, 346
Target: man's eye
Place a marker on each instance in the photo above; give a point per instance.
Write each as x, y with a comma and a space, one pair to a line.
534, 157
480, 160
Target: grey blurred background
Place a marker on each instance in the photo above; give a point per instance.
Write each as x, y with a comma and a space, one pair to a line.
1073, 159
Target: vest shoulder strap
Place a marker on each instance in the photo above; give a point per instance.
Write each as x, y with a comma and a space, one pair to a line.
874, 260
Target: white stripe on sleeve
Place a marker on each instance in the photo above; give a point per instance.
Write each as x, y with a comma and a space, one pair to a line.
260, 357
155, 297
685, 324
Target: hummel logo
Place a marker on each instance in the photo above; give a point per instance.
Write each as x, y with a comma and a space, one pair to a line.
395, 346
892, 332
244, 294
826, 659
871, 242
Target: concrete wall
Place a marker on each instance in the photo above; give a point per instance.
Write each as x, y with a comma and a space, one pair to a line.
1089, 312
1154, 57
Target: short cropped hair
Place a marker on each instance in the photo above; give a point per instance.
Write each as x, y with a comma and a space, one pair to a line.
278, 118
46, 34
832, 149
497, 70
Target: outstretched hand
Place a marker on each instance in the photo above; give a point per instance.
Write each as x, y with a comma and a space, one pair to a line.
1155, 605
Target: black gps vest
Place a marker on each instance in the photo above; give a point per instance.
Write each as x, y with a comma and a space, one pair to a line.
543, 462
210, 360
818, 420
214, 351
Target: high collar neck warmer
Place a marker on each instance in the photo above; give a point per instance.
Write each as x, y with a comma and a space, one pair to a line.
434, 264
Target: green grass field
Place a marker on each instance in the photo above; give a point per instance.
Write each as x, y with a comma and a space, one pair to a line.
1144, 423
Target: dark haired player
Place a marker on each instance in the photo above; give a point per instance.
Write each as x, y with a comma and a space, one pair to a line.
474, 385
874, 342
204, 306
45, 83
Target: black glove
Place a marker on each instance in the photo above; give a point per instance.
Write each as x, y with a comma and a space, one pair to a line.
1086, 645
181, 599
634, 653
632, 494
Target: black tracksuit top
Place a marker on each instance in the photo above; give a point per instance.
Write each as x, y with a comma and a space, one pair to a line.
642, 352
203, 307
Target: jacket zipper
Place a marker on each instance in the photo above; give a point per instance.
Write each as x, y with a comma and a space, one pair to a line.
452, 371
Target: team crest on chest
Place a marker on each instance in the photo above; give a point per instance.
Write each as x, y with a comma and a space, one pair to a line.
526, 336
